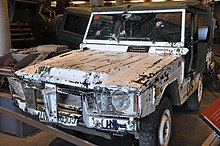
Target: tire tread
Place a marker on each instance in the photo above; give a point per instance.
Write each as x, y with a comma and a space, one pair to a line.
149, 124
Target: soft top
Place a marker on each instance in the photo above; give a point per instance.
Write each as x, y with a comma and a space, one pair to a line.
190, 4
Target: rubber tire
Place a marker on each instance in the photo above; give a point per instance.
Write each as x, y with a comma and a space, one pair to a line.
194, 101
9, 62
55, 26
149, 126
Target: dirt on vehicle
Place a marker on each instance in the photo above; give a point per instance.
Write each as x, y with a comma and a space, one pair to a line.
135, 63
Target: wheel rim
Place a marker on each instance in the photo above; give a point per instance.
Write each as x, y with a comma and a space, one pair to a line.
165, 128
200, 88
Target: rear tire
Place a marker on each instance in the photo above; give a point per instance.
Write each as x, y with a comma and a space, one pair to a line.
156, 127
194, 101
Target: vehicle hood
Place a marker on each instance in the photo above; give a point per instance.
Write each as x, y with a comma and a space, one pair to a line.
89, 68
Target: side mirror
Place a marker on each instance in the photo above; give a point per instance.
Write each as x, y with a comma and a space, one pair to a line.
203, 33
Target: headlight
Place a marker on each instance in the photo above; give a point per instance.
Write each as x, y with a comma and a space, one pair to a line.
120, 100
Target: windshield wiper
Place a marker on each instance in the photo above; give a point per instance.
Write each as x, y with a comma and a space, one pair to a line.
114, 37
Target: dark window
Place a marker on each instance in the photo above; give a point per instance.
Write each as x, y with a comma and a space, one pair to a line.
76, 24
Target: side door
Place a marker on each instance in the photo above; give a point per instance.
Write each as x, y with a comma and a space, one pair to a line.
196, 57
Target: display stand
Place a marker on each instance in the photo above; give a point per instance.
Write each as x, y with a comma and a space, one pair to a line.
211, 116
11, 125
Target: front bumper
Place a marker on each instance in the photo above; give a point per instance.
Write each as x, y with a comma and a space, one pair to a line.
50, 110
70, 119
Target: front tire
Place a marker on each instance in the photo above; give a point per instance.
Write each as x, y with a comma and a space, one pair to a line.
156, 127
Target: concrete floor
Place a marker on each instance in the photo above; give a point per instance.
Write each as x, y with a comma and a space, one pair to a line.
188, 130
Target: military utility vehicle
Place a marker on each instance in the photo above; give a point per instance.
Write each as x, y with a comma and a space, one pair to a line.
69, 28
135, 63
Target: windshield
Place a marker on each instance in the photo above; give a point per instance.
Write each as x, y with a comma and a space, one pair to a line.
154, 27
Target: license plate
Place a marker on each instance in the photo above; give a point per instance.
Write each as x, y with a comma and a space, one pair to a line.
42, 116
67, 120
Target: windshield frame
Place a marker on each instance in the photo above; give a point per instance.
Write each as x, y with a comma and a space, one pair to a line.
138, 43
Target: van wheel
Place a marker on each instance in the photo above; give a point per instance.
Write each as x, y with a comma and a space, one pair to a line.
193, 102
156, 127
